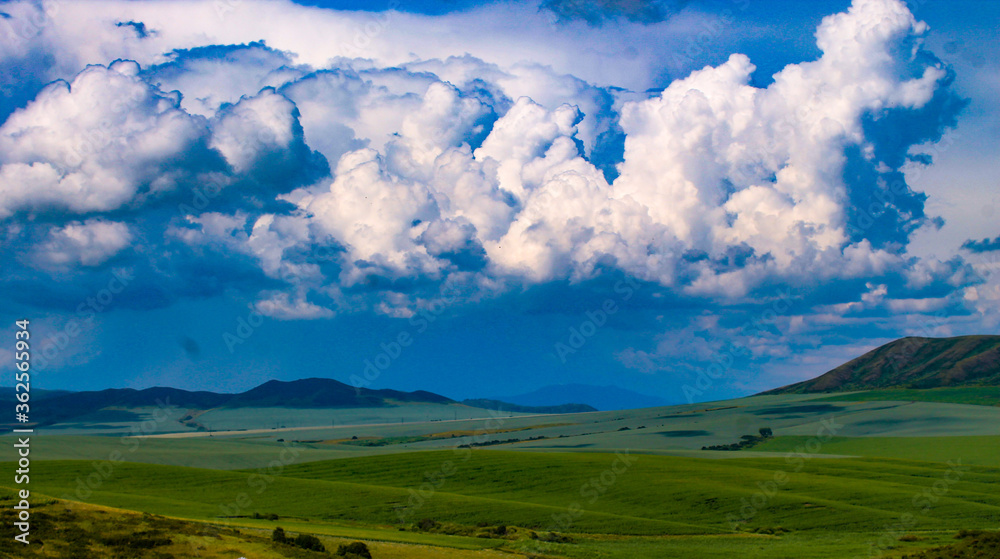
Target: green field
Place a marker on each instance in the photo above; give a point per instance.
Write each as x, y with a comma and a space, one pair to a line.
974, 395
980, 451
650, 498
839, 477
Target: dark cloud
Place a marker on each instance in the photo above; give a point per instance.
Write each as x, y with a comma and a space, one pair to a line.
137, 26
985, 245
884, 209
596, 12
190, 347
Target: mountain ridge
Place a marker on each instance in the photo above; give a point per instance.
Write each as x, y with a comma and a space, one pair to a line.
914, 363
314, 392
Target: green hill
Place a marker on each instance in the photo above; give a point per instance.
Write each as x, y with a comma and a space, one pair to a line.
913, 363
600, 505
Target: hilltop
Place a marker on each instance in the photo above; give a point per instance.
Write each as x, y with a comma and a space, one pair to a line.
912, 363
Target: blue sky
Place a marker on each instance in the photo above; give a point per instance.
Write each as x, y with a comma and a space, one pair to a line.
694, 200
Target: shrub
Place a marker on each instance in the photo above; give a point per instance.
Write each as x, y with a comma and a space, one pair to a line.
354, 550
307, 541
427, 524
278, 535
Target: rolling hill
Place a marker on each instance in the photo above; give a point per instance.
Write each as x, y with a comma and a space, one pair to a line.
912, 363
304, 394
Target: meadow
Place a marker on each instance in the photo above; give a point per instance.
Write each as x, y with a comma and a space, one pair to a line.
840, 478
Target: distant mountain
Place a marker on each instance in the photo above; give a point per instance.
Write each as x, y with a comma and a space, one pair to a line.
913, 363
324, 393
598, 397
507, 406
305, 393
7, 393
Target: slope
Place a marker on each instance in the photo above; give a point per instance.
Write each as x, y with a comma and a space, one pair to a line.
915, 363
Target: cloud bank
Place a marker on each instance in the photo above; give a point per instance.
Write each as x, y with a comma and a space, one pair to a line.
443, 172
320, 176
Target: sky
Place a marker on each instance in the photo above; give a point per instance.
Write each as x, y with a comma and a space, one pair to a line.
690, 199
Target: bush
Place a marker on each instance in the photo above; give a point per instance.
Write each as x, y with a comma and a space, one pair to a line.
354, 550
427, 524
307, 541
278, 535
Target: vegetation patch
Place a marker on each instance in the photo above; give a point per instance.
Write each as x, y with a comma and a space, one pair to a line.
974, 544
746, 441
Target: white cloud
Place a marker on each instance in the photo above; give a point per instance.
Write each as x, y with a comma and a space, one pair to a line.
284, 307
93, 144
88, 243
254, 131
723, 187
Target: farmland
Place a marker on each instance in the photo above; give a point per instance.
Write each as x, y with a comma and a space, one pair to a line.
631, 483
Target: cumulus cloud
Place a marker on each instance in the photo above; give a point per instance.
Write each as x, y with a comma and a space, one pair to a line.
422, 172
98, 143
596, 12
89, 243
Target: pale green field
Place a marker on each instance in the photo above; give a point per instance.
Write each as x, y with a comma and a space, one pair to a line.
981, 451
673, 430
223, 419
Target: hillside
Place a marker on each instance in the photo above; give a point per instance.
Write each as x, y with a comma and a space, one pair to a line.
912, 363
122, 404
304, 393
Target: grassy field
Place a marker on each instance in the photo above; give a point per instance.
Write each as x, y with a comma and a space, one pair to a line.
973, 395
83, 531
213, 453
840, 477
981, 451
758, 507
674, 430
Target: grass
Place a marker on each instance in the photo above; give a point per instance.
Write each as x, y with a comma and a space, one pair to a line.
981, 451
656, 495
659, 506
214, 453
973, 395
764, 503
83, 531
